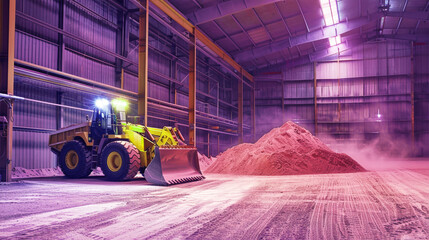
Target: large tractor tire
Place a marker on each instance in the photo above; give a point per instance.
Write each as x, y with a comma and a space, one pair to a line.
75, 160
120, 160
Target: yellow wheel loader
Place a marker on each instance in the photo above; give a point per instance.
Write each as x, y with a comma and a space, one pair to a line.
121, 149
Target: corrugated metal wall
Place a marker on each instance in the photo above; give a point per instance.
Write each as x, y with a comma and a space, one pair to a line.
32, 124
99, 23
421, 70
371, 79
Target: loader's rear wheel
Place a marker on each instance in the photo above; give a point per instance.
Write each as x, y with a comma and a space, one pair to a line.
75, 160
120, 160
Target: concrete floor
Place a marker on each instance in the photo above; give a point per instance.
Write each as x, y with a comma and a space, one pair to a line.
389, 204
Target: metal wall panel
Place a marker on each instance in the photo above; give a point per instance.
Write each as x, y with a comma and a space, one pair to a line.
31, 151
158, 92
32, 124
159, 63
87, 68
131, 82
31, 114
79, 22
371, 79
45, 10
421, 68
182, 100
299, 73
98, 22
35, 50
76, 99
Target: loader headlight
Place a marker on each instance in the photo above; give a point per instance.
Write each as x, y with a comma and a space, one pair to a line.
101, 103
119, 104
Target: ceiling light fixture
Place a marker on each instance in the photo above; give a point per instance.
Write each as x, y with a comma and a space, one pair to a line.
333, 41
330, 12
331, 17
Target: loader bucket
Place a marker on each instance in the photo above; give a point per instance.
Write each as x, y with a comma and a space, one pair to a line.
173, 165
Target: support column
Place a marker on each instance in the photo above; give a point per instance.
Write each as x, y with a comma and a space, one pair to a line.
412, 100
122, 43
61, 45
253, 112
173, 74
283, 99
240, 108
58, 111
7, 56
143, 63
192, 89
217, 98
122, 78
315, 97
339, 97
218, 144
208, 144
125, 40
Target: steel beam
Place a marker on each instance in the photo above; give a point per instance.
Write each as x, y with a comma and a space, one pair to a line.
236, 34
263, 25
283, 19
143, 63
253, 112
412, 99
423, 16
303, 17
223, 63
188, 26
315, 56
324, 33
192, 90
61, 45
47, 75
338, 85
7, 48
315, 97
400, 20
409, 37
222, 54
227, 35
240, 109
243, 30
425, 10
122, 43
58, 111
69, 35
223, 9
73, 81
318, 55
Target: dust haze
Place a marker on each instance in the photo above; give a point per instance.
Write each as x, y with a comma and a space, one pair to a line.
387, 151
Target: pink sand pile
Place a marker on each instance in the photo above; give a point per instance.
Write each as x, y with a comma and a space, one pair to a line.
205, 161
20, 173
289, 149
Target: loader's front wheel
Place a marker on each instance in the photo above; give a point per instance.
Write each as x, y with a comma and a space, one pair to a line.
120, 160
75, 160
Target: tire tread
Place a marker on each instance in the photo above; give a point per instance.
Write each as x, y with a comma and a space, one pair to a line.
134, 159
88, 159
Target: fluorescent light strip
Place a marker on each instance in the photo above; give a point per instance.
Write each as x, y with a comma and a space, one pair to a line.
338, 39
333, 41
330, 14
334, 11
330, 11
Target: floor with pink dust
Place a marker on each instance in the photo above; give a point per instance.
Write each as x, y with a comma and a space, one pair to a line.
380, 204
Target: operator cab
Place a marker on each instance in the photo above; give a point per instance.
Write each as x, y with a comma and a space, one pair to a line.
107, 118
103, 121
